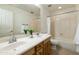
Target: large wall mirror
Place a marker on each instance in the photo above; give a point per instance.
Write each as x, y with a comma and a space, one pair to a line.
14, 16
6, 22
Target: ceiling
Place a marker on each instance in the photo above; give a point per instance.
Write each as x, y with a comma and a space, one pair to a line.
29, 8
54, 7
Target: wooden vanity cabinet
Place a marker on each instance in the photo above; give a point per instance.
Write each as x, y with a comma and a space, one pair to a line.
43, 48
47, 47
30, 52
39, 52
39, 49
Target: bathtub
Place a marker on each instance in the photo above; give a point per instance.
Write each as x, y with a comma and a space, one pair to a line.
65, 43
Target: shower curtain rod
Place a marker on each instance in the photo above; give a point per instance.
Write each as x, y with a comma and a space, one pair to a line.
72, 11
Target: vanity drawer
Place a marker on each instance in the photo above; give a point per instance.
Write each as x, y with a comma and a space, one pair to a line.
39, 46
39, 52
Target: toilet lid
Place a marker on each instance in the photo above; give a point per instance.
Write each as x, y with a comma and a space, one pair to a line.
55, 41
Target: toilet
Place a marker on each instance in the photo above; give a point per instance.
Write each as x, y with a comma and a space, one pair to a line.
55, 43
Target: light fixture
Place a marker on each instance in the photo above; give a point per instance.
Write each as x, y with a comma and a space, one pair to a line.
38, 5
32, 12
59, 7
49, 5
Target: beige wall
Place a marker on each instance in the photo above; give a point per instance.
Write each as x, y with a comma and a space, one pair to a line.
35, 24
65, 24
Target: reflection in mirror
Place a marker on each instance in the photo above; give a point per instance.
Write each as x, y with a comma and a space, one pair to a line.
13, 16
6, 22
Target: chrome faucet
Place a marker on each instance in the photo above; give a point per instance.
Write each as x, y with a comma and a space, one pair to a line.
13, 38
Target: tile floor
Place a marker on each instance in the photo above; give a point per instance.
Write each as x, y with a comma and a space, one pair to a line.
63, 51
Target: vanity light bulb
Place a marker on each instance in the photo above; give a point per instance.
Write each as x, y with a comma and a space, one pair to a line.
59, 7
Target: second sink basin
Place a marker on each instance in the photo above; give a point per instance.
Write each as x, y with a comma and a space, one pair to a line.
12, 46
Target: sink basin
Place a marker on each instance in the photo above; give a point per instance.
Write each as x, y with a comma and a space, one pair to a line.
12, 46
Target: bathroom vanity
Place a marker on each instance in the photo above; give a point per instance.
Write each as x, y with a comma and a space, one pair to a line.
38, 45
43, 48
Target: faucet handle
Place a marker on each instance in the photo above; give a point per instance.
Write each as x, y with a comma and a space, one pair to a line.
14, 39
10, 40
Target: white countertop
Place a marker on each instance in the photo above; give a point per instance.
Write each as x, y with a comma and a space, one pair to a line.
22, 45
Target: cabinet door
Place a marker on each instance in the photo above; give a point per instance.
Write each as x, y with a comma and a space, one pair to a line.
39, 46
39, 49
39, 52
47, 47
